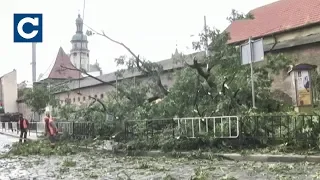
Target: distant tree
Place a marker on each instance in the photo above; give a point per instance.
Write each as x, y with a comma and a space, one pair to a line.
38, 97
235, 15
21, 92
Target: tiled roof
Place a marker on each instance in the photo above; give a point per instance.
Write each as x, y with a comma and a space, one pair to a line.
60, 73
276, 17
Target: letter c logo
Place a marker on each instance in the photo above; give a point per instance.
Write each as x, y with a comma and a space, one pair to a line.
33, 21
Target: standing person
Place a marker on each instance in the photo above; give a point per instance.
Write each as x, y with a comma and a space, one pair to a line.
51, 129
23, 125
46, 124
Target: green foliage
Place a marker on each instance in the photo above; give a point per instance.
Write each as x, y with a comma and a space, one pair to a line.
69, 163
220, 85
66, 112
223, 88
235, 15
41, 148
212, 85
92, 112
21, 92
315, 80
39, 97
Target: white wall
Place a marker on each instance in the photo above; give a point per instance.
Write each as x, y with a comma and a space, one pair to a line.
10, 92
93, 73
100, 91
25, 110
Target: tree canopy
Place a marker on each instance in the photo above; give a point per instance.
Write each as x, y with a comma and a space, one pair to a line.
211, 85
216, 84
39, 97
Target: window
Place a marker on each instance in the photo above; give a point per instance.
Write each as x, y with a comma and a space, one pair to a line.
95, 96
75, 54
101, 96
84, 98
68, 100
78, 98
74, 99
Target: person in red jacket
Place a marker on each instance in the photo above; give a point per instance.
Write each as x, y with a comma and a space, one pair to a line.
53, 131
46, 123
50, 129
24, 126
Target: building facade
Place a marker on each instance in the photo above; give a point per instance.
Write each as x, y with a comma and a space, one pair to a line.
78, 91
9, 92
291, 27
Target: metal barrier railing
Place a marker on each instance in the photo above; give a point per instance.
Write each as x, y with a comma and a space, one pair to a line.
77, 129
219, 127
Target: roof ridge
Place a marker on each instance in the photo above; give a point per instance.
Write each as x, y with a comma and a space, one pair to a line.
276, 17
62, 59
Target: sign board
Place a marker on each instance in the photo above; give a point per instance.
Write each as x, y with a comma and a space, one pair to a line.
303, 88
258, 52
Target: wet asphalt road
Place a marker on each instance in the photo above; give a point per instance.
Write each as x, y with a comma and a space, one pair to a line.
109, 167
6, 140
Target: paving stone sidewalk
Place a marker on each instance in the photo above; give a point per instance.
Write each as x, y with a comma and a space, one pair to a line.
15, 134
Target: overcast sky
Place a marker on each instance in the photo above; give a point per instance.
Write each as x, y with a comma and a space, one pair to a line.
150, 28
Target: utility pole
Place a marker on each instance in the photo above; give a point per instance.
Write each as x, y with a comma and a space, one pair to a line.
33, 63
34, 74
252, 77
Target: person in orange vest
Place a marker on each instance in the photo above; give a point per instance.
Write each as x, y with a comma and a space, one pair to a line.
46, 122
23, 125
51, 129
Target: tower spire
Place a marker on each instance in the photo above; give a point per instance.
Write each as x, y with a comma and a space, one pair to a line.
79, 24
176, 51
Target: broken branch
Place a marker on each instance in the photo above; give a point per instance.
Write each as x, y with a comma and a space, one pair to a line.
89, 75
138, 61
99, 101
93, 77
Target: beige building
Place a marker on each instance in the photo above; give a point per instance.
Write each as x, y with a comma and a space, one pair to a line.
9, 92
79, 90
291, 27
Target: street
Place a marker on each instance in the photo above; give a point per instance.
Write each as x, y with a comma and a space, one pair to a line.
93, 165
6, 140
